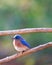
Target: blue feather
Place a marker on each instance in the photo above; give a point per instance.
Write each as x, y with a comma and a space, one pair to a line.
25, 43
18, 37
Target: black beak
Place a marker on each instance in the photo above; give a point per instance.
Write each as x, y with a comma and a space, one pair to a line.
13, 38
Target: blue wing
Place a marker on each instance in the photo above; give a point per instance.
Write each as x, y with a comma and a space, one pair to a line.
25, 43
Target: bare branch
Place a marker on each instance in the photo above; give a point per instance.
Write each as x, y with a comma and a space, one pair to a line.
27, 30
33, 50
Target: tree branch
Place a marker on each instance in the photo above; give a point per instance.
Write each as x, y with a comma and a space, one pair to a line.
32, 50
27, 30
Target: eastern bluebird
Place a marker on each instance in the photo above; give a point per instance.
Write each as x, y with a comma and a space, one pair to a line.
20, 43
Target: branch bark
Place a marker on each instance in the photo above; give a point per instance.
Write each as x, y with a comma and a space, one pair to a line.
30, 51
23, 31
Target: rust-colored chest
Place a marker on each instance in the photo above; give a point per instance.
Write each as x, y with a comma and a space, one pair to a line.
19, 44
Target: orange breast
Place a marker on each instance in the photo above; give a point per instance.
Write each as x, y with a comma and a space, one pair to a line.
19, 44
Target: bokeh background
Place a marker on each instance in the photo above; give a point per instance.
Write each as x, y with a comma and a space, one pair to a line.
19, 14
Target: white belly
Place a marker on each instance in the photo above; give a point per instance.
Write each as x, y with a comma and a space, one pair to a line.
19, 48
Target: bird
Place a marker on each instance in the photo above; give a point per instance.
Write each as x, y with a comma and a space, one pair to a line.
20, 44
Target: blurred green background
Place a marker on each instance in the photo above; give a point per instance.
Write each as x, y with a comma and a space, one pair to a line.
19, 14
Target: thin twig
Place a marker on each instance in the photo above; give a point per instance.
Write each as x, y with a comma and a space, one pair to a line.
26, 30
30, 51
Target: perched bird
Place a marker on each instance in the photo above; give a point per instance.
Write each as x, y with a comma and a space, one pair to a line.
20, 43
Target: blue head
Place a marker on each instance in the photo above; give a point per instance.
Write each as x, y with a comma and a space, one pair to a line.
17, 37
